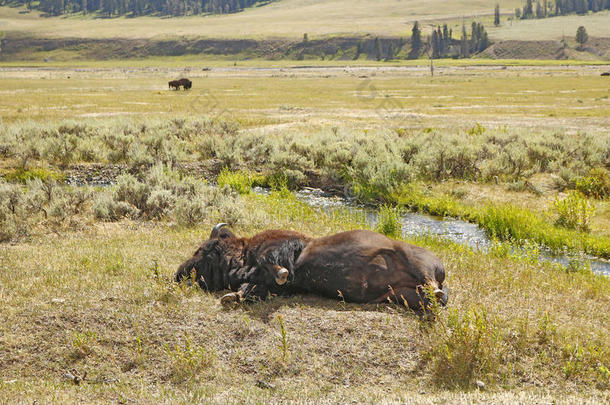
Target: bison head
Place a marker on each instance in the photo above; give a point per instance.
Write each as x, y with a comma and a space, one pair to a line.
213, 262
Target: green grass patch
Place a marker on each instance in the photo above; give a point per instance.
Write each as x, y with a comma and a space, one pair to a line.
21, 175
505, 222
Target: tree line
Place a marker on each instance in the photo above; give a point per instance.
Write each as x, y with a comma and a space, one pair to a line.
441, 43
548, 8
115, 8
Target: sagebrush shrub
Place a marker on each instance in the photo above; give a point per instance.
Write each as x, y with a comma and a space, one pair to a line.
106, 208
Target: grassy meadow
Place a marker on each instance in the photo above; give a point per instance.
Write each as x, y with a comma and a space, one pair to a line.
89, 311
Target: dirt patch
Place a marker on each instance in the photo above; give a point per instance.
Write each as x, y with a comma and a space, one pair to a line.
596, 48
525, 50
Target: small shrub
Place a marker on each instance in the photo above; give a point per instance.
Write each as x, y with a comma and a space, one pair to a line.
596, 184
132, 191
477, 129
61, 150
279, 181
159, 203
106, 208
189, 211
574, 212
14, 218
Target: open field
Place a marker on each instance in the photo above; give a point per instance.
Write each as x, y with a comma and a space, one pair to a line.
85, 272
566, 97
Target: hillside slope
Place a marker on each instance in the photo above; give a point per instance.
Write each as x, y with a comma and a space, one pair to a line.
284, 18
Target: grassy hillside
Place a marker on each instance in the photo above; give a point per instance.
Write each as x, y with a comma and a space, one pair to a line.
293, 18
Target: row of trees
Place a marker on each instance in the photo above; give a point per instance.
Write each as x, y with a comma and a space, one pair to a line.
136, 8
441, 43
548, 8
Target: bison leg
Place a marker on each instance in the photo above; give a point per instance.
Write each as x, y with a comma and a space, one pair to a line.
248, 292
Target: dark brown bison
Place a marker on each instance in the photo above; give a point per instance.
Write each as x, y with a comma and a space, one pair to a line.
184, 83
358, 266
253, 267
605, 74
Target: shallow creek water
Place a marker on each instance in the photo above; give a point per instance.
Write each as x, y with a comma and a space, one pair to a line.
414, 224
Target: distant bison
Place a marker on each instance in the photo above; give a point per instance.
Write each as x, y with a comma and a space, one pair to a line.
357, 266
605, 74
185, 83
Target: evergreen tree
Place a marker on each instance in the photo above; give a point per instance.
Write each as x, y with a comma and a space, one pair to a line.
377, 47
464, 52
435, 46
528, 10
391, 51
581, 36
484, 41
415, 42
497, 15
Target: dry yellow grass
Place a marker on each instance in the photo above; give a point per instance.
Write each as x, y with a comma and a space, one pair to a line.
89, 304
560, 97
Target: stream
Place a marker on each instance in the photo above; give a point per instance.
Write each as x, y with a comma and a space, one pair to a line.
455, 230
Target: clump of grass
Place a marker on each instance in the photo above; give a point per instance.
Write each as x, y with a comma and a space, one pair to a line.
83, 343
388, 221
574, 212
189, 361
469, 346
476, 129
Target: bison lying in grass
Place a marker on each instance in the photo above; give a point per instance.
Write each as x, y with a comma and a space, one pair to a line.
358, 266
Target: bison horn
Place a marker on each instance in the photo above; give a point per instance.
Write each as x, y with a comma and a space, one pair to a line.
439, 293
214, 232
230, 298
281, 277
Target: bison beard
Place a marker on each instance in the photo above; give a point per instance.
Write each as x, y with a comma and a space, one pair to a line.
359, 266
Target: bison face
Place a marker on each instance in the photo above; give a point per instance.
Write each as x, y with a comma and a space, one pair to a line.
432, 289
212, 262
201, 266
